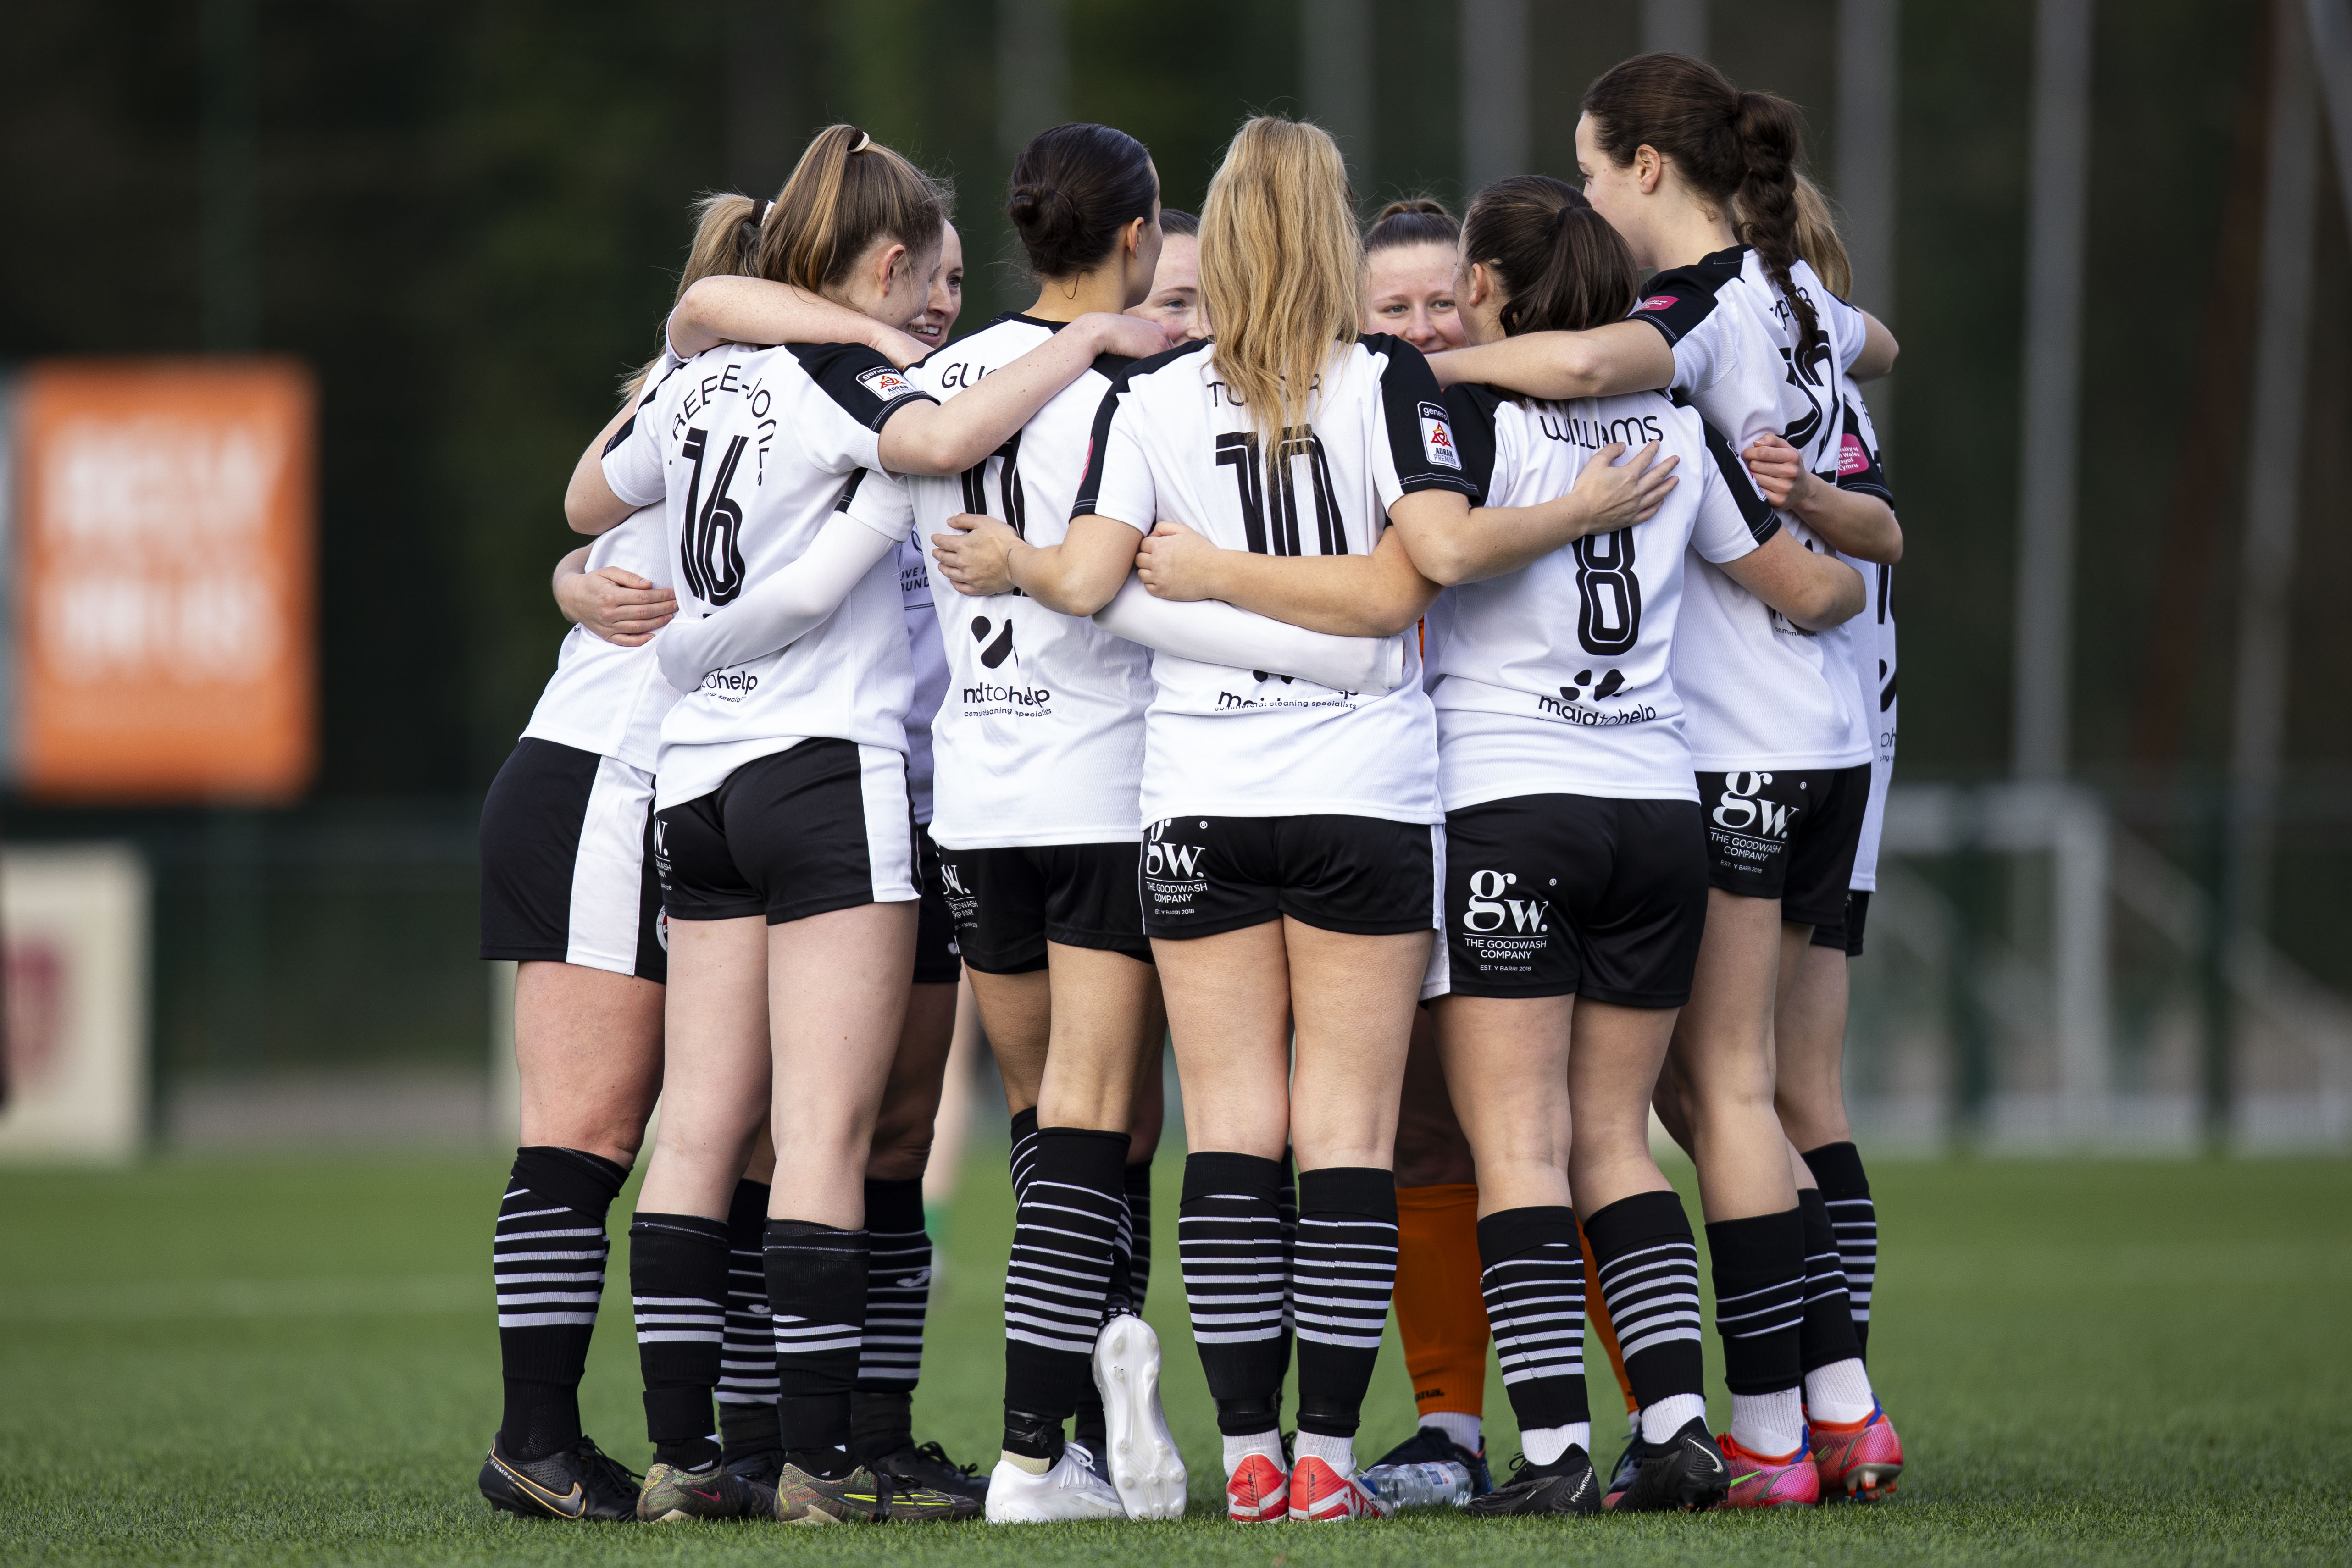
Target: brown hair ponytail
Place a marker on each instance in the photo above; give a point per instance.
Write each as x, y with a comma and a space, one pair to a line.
1560, 266
847, 191
726, 244
1738, 149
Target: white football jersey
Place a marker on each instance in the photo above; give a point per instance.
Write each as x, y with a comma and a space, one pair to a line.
1172, 442
603, 697
1039, 734
1758, 688
930, 674
1858, 468
1534, 699
750, 450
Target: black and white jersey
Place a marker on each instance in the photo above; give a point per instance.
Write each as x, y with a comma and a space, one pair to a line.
1172, 442
1872, 633
604, 698
1039, 737
748, 449
930, 665
1759, 690
1534, 697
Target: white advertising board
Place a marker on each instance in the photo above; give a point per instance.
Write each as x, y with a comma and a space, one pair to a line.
73, 923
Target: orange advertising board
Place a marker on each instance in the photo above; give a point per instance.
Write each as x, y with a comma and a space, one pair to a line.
165, 544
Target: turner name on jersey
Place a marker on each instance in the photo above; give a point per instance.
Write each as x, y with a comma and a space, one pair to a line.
749, 451
1172, 442
1039, 734
1533, 701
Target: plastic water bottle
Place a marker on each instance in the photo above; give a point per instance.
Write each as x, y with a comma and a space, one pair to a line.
1424, 1485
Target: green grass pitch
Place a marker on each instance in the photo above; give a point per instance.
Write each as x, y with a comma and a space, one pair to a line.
294, 1362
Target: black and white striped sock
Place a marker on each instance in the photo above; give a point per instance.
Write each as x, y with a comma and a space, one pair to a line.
1826, 1334
1648, 1262
677, 1283
1846, 1193
1024, 1158
1057, 1280
747, 1354
547, 1264
1139, 1225
1759, 1301
816, 1291
1531, 1271
898, 1287
1229, 1247
1342, 1273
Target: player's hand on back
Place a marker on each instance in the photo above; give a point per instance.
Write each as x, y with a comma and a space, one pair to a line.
973, 554
617, 605
1779, 470
1619, 491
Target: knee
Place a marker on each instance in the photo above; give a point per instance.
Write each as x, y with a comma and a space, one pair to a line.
901, 1160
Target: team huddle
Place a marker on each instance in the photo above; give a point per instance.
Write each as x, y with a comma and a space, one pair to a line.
1439, 679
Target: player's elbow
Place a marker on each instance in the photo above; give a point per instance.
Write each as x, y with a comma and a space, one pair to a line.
1836, 600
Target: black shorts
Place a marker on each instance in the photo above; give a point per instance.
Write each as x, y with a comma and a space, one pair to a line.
1363, 875
1555, 895
824, 826
937, 960
1788, 833
1009, 902
567, 868
1846, 935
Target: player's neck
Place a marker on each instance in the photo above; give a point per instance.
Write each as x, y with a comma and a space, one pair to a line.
1067, 299
1686, 233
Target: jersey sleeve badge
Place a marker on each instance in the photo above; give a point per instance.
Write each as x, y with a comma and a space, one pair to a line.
1437, 438
885, 382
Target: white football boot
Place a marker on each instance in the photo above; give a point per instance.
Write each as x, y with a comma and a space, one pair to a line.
1143, 1462
1070, 1489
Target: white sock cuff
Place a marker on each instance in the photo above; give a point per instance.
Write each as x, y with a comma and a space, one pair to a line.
1671, 1415
1769, 1424
1839, 1392
1543, 1444
1240, 1448
1464, 1429
1339, 1453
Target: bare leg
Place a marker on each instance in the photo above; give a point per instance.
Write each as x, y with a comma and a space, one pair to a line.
1809, 1089
1613, 1066
1098, 1014
1505, 1061
1722, 1055
835, 1003
1150, 1100
953, 1123
716, 1075
1352, 997
911, 1099
1017, 1012
588, 1053
1432, 1150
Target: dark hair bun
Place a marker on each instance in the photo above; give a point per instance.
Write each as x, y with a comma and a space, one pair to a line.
1073, 188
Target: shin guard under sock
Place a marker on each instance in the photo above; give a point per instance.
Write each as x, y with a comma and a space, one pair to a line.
1648, 1263
816, 1288
1533, 1280
677, 1283
1853, 1216
747, 1356
1343, 1274
547, 1264
1229, 1245
1058, 1279
1759, 1283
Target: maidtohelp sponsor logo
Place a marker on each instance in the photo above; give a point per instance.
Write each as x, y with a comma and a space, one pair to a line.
1437, 437
885, 382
